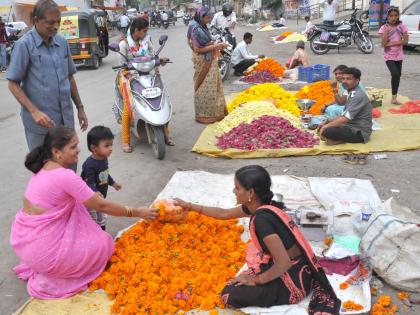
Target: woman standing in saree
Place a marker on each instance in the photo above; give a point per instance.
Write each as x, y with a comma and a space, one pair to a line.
282, 267
209, 100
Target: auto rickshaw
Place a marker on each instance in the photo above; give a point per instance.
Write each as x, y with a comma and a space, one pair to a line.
87, 34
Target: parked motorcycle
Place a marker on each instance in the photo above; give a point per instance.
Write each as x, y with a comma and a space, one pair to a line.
325, 37
224, 36
186, 18
153, 22
13, 37
150, 106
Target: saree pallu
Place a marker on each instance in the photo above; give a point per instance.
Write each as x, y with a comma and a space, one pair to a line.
305, 276
209, 100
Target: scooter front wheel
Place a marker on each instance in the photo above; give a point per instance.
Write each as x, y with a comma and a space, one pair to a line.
157, 135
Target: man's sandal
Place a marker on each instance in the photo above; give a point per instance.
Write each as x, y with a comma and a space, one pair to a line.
351, 159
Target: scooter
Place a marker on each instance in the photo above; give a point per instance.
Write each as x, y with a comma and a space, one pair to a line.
186, 18
150, 105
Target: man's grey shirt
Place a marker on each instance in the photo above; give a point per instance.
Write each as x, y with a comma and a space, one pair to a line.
43, 71
358, 110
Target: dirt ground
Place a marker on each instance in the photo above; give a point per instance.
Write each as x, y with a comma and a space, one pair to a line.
143, 177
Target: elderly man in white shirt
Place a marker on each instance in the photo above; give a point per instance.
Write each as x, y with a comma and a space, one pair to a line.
330, 11
242, 58
226, 18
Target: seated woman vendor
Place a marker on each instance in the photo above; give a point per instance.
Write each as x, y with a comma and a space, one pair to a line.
136, 44
61, 249
336, 109
282, 268
299, 58
355, 123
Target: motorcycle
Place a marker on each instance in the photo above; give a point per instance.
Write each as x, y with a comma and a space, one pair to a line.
153, 22
186, 18
324, 37
224, 61
151, 108
13, 37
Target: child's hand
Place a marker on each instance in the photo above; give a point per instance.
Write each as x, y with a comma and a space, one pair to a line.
117, 186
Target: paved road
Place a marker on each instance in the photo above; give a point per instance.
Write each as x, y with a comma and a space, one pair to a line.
142, 176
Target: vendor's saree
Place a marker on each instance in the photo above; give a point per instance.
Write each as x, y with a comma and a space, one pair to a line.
209, 100
324, 300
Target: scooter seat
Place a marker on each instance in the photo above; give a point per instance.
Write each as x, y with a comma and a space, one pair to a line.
327, 27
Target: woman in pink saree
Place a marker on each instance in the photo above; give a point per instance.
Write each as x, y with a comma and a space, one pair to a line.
61, 249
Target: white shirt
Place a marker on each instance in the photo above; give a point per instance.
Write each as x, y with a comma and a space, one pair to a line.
222, 21
308, 27
124, 20
241, 52
330, 10
282, 21
164, 16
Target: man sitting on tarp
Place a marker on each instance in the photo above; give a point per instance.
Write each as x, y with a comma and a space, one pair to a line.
355, 124
242, 58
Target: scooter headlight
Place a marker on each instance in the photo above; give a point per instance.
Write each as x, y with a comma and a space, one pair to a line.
145, 67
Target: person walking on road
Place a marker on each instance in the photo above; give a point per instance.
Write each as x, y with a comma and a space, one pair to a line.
209, 99
394, 36
124, 23
41, 76
330, 11
3, 44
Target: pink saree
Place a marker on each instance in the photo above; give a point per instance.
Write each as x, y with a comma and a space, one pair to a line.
63, 249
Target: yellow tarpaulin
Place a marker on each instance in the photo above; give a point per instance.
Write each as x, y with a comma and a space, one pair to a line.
87, 303
399, 133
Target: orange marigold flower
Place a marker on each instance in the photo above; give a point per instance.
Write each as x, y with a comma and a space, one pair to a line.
184, 266
271, 65
321, 92
344, 285
350, 305
403, 295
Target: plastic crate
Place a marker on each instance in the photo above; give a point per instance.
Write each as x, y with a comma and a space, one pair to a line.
314, 73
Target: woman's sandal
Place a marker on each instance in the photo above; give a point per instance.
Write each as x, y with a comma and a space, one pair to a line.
396, 102
126, 148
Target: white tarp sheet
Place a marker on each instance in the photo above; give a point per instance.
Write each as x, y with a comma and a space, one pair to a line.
313, 193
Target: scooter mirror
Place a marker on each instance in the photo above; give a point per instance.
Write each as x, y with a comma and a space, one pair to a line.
114, 47
163, 39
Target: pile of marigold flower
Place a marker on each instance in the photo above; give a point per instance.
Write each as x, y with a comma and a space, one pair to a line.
268, 64
267, 91
321, 92
384, 306
165, 268
350, 305
282, 36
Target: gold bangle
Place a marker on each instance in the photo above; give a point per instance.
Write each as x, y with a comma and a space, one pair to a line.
129, 211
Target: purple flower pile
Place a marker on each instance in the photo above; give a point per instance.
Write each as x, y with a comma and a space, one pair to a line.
260, 77
266, 132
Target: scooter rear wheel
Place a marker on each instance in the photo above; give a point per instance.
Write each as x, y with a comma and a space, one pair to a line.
158, 141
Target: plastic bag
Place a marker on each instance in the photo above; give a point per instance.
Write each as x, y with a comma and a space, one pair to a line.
410, 107
168, 212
